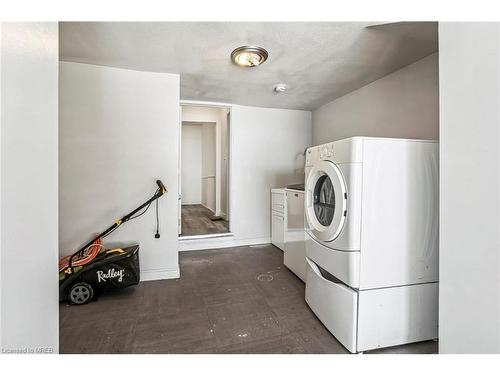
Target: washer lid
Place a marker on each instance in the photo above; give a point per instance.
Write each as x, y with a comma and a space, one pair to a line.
326, 201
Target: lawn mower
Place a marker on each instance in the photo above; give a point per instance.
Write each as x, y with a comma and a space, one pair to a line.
93, 269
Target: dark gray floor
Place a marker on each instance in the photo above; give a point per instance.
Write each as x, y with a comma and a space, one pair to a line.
197, 219
235, 300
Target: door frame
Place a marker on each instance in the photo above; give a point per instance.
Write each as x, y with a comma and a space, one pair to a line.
229, 107
179, 176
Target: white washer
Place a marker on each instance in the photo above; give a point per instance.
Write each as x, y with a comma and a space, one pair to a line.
371, 207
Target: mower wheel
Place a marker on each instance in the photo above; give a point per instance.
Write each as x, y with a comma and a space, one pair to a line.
80, 293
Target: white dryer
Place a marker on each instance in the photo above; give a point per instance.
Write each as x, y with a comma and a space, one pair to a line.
371, 207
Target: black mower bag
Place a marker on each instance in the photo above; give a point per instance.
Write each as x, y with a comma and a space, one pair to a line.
113, 269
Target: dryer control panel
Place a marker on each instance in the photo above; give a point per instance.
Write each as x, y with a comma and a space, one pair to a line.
349, 150
326, 151
312, 155
321, 152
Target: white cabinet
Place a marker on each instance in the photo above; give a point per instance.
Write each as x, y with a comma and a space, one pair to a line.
295, 248
278, 230
278, 218
287, 228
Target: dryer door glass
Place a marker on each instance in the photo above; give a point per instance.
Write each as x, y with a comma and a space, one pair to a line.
324, 200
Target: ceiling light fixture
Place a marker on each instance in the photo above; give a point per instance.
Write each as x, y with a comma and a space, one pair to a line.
249, 56
280, 88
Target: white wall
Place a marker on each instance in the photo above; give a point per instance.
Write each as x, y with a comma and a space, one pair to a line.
404, 104
201, 113
266, 152
119, 132
199, 164
29, 280
469, 305
191, 164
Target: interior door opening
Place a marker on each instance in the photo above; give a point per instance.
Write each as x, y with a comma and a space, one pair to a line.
204, 171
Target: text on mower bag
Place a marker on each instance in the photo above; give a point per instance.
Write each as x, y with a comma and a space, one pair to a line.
111, 274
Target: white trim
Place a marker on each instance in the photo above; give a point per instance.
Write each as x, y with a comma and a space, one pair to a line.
160, 274
179, 175
205, 236
220, 242
230, 173
1, 127
218, 170
205, 103
190, 203
208, 208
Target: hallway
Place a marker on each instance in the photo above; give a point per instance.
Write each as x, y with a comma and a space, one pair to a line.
197, 220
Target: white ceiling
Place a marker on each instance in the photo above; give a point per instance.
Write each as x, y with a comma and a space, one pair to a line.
319, 61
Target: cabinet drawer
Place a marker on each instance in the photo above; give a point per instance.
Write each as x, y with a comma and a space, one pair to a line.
335, 304
278, 201
344, 265
279, 208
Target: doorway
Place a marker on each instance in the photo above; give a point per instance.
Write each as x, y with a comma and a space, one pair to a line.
204, 171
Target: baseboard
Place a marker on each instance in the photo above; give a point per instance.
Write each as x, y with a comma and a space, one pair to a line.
220, 242
205, 236
190, 203
160, 274
208, 208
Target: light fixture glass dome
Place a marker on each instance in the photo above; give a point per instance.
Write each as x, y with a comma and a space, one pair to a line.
249, 56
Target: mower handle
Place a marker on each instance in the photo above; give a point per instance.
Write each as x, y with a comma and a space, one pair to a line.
162, 187
162, 190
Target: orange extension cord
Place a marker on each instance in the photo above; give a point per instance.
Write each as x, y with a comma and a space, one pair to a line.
88, 256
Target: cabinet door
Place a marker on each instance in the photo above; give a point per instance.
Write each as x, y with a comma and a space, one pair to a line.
278, 230
295, 247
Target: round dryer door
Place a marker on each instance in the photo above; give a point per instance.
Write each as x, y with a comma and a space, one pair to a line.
326, 201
